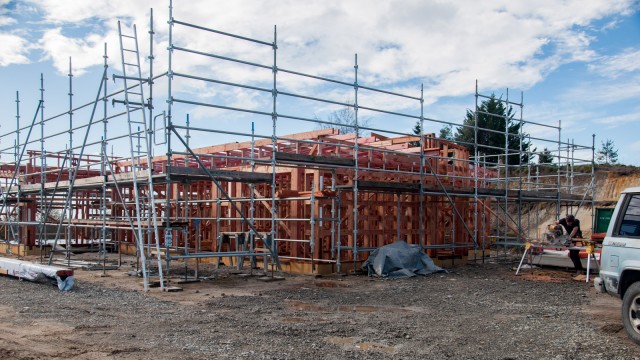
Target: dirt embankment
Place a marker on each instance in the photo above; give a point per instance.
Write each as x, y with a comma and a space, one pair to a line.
611, 180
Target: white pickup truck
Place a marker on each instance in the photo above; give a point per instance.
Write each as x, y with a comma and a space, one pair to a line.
620, 260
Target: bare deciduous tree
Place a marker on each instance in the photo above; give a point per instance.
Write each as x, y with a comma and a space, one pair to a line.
344, 120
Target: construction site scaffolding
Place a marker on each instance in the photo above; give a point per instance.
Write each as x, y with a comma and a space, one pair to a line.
273, 197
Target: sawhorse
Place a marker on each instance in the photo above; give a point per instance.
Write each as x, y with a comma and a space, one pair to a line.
589, 248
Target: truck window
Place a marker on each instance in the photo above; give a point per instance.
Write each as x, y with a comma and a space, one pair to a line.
630, 224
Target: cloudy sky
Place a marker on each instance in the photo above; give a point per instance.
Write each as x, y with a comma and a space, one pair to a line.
575, 61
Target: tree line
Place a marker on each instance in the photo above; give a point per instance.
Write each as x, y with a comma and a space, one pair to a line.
496, 129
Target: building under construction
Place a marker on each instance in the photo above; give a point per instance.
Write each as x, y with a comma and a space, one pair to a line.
287, 189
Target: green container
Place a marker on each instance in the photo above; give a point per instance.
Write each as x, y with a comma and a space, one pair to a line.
603, 218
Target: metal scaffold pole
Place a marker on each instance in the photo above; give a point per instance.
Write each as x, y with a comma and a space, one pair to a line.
43, 168
475, 179
71, 160
274, 139
167, 209
422, 160
593, 182
103, 166
149, 135
520, 154
252, 196
18, 160
152, 233
74, 171
15, 178
507, 173
355, 170
558, 185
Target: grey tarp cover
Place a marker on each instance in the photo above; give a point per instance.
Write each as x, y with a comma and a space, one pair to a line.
400, 260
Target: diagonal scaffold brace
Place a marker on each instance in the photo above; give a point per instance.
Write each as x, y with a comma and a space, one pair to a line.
273, 253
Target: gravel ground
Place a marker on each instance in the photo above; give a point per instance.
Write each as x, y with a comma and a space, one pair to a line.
473, 312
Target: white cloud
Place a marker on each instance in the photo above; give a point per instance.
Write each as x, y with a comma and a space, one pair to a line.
616, 65
5, 19
583, 118
605, 91
84, 52
61, 12
504, 44
617, 120
399, 45
620, 119
13, 49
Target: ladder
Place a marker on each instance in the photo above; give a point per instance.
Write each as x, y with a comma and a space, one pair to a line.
134, 102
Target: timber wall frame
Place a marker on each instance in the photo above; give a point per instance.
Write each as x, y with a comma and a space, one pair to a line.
311, 197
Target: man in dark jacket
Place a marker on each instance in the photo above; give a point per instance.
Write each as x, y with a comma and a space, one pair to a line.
572, 227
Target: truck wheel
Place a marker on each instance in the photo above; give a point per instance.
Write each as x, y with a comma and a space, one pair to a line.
631, 312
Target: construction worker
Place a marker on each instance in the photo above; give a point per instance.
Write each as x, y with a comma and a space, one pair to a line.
572, 227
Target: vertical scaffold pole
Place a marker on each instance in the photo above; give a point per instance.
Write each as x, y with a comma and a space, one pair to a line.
274, 140
355, 170
252, 197
67, 202
484, 207
558, 188
573, 153
422, 160
71, 175
151, 207
312, 224
339, 235
168, 129
16, 232
187, 197
593, 181
475, 179
529, 153
17, 143
398, 218
43, 164
506, 175
333, 213
567, 167
152, 216
103, 165
475, 120
15, 178
218, 227
150, 82
520, 135
537, 205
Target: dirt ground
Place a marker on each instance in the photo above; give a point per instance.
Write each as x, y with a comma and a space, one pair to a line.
472, 312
